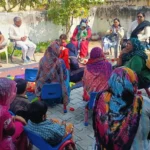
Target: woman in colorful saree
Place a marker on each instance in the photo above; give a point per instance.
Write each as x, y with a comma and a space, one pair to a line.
81, 37
96, 74
120, 115
11, 128
50, 70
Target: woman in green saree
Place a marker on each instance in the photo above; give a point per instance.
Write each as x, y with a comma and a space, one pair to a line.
134, 57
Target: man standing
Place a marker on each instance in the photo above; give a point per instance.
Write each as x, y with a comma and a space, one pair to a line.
18, 33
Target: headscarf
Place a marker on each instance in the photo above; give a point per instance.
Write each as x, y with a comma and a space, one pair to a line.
7, 91
117, 111
82, 25
51, 68
82, 32
51, 55
84, 20
7, 94
138, 49
97, 62
72, 50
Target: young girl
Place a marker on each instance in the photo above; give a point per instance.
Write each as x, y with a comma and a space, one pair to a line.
64, 53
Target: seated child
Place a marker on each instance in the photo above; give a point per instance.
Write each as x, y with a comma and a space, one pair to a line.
63, 39
20, 105
64, 53
49, 130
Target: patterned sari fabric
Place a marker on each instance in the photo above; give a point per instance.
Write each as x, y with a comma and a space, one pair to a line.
96, 73
7, 94
50, 70
117, 111
8, 140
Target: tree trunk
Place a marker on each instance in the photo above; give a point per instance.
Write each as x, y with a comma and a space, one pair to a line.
7, 4
69, 25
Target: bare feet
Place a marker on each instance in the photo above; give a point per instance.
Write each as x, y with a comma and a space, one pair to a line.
0, 65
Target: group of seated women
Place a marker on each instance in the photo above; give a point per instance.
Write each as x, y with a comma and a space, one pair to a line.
61, 57
98, 69
119, 113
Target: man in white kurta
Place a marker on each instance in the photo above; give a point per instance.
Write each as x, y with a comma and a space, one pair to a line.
19, 34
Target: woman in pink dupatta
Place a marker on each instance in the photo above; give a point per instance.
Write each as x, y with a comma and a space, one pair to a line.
96, 74
10, 130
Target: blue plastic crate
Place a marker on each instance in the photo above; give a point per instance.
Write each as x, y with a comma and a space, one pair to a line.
31, 74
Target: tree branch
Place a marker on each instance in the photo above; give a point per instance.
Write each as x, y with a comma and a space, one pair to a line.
13, 7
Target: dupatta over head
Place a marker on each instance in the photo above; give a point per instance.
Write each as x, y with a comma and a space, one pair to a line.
7, 95
117, 111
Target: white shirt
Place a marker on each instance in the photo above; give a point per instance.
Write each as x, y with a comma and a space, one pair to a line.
132, 27
143, 35
16, 33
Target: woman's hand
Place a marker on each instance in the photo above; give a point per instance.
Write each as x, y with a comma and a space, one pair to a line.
19, 118
124, 51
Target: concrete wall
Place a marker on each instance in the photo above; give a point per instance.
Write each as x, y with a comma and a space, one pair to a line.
101, 19
38, 27
42, 30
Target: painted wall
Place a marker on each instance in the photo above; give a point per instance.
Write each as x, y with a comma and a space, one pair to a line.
38, 27
42, 30
100, 22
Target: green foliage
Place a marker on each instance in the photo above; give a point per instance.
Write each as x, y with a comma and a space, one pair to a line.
42, 46
64, 12
17, 53
2, 3
22, 4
